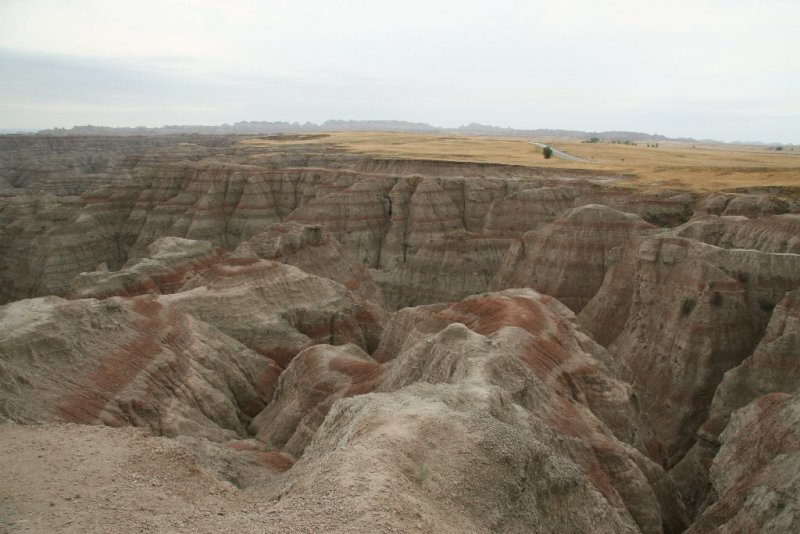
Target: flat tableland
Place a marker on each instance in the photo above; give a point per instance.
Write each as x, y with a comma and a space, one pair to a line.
671, 165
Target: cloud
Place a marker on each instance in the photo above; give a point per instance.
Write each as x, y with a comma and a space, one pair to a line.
571, 64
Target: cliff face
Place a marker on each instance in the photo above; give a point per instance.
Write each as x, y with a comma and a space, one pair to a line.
758, 380
755, 472
774, 233
568, 257
748, 205
381, 221
222, 204
528, 209
503, 379
690, 312
402, 333
65, 166
127, 362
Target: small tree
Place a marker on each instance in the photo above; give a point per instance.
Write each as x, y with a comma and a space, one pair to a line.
547, 151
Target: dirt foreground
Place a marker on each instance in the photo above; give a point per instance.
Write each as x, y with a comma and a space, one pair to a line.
74, 478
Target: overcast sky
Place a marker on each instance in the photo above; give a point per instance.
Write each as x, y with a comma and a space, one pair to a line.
727, 70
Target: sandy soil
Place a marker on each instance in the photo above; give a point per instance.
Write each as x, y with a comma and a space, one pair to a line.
73, 478
80, 478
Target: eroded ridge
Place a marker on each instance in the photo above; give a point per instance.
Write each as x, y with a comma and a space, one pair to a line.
339, 342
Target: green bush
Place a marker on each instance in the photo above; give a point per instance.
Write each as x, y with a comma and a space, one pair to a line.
687, 306
766, 305
548, 152
421, 474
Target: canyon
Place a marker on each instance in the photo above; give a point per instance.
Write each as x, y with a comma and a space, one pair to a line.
282, 334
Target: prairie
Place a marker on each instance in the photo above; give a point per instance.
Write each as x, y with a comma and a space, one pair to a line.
701, 167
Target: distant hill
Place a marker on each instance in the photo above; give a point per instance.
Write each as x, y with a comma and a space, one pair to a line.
266, 127
483, 129
250, 128
4, 131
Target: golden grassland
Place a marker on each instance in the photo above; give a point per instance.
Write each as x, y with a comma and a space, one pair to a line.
702, 167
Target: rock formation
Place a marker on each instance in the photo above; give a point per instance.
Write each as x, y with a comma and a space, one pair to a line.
319, 376
503, 387
567, 258
277, 310
665, 208
127, 362
687, 312
778, 233
748, 205
444, 268
756, 471
314, 250
169, 264
771, 369
528, 209
315, 332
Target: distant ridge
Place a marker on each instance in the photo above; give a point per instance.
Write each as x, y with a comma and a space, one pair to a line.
269, 128
250, 128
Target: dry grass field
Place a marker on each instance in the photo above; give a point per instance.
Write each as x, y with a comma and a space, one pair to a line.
671, 165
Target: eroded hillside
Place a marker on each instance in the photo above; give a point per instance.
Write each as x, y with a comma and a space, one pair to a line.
333, 340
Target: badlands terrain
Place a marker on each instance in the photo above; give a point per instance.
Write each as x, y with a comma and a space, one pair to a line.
367, 332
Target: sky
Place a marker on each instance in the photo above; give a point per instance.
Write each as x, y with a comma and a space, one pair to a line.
726, 70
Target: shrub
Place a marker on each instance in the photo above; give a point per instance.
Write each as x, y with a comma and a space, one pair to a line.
547, 152
421, 474
687, 306
766, 305
716, 298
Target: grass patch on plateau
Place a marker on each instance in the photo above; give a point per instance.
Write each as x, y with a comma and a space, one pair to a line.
671, 165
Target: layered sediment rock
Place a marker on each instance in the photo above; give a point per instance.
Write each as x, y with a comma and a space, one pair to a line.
528, 209
202, 201
665, 208
756, 473
25, 221
747, 205
434, 464
70, 166
314, 250
772, 368
116, 224
276, 309
242, 305
710, 228
778, 233
443, 269
499, 388
319, 376
6, 189
687, 312
478, 196
357, 215
170, 263
567, 258
380, 221
127, 362
428, 213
